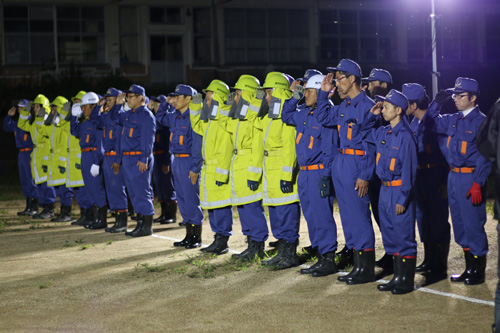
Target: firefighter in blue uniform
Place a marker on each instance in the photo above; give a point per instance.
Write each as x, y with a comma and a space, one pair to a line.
430, 187
185, 146
164, 182
25, 146
91, 143
469, 171
396, 165
136, 150
314, 145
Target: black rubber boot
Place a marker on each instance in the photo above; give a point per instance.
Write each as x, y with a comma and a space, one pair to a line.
120, 224
137, 227
219, 246
428, 258
27, 209
194, 239
82, 217
386, 263
89, 218
274, 260
274, 244
170, 213
64, 216
477, 273
102, 221
47, 212
95, 217
34, 208
467, 271
406, 282
345, 258
254, 249
289, 257
325, 266
364, 271
439, 264
185, 241
395, 279
147, 227
161, 218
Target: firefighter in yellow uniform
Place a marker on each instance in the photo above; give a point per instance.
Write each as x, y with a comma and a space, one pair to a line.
274, 164
215, 190
41, 151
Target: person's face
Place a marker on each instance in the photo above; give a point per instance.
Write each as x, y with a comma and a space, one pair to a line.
77, 100
208, 98
237, 96
390, 111
110, 102
181, 101
269, 94
36, 107
344, 83
156, 106
311, 96
462, 101
170, 99
134, 101
151, 104
87, 110
53, 109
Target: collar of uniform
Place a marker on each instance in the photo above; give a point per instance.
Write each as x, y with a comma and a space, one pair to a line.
361, 96
395, 130
466, 112
183, 115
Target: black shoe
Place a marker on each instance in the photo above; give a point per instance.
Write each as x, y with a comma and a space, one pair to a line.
254, 249
170, 213
344, 258
101, 222
185, 241
120, 224
364, 268
147, 227
274, 244
28, 211
428, 257
34, 208
395, 279
137, 227
64, 216
161, 218
477, 273
406, 282
439, 264
274, 260
219, 246
468, 267
83, 212
194, 240
325, 266
289, 257
47, 212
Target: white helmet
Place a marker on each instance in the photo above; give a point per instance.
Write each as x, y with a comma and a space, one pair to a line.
90, 98
314, 82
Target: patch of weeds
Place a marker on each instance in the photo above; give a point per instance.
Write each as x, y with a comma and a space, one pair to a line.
67, 244
44, 285
86, 246
181, 269
3, 211
149, 269
109, 242
79, 241
3, 224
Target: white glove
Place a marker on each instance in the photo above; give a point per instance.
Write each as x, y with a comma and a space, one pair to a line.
126, 107
45, 117
56, 120
67, 106
76, 110
94, 170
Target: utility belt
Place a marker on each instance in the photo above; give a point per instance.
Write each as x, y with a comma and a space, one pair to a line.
25, 149
350, 151
392, 183
158, 152
462, 170
312, 167
272, 153
181, 155
132, 153
242, 152
85, 150
110, 153
429, 165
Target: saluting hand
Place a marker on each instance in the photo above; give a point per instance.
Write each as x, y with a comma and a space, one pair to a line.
377, 108
12, 111
120, 100
142, 166
327, 84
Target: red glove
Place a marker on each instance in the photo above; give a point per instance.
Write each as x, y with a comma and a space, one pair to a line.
475, 194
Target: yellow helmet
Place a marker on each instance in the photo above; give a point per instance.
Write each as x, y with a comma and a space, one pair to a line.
59, 102
42, 100
78, 96
218, 87
276, 80
247, 83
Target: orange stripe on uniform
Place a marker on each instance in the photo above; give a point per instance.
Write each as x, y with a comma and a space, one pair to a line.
87, 140
393, 164
181, 140
464, 147
349, 132
172, 133
311, 143
111, 134
131, 132
299, 136
448, 142
25, 137
378, 157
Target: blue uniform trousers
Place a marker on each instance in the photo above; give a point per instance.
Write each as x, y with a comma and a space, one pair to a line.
398, 231
65, 195
354, 211
46, 194
27, 184
82, 197
164, 184
285, 221
188, 195
253, 221
318, 212
468, 220
139, 184
115, 185
94, 185
432, 209
221, 220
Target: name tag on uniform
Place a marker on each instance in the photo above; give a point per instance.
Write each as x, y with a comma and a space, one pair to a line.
276, 109
214, 110
244, 110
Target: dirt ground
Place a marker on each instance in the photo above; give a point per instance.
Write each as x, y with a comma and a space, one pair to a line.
63, 278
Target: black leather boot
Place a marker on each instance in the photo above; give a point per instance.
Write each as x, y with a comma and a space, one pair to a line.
95, 217
274, 260
345, 258
365, 270
289, 258
170, 213
219, 246
274, 244
64, 216
254, 249
325, 266
161, 218
185, 241
428, 258
477, 273
137, 227
83, 212
34, 208
27, 209
147, 227
406, 282
395, 279
120, 224
439, 264
102, 221
194, 240
466, 272
47, 212
386, 263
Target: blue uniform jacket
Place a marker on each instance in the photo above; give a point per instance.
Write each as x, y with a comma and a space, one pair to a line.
349, 117
89, 136
23, 139
461, 150
396, 157
138, 133
314, 143
182, 138
111, 131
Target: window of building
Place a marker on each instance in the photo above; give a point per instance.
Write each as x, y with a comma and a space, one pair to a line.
266, 35
202, 37
166, 15
129, 35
